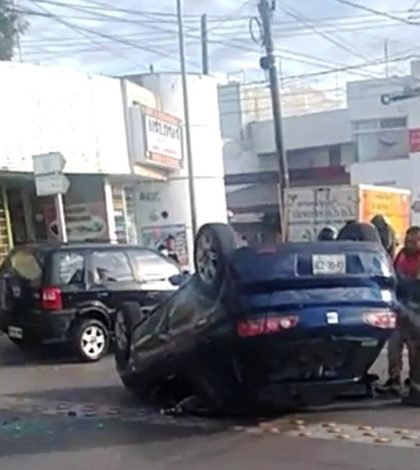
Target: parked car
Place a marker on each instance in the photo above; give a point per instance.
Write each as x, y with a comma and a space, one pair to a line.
296, 324
70, 292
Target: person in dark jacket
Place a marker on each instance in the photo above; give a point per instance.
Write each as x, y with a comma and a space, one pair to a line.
387, 234
328, 233
407, 266
359, 231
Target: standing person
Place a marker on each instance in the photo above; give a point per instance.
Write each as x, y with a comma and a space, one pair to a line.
170, 248
407, 266
328, 233
387, 234
359, 232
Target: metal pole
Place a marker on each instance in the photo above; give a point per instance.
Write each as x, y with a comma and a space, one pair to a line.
386, 58
204, 45
269, 63
61, 219
9, 228
187, 119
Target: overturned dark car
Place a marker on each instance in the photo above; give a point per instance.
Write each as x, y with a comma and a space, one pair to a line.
297, 324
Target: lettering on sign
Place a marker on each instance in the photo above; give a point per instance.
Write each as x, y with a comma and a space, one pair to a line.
150, 196
324, 210
164, 129
163, 139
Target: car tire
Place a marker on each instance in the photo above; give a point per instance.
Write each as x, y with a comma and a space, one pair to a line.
212, 246
126, 317
90, 339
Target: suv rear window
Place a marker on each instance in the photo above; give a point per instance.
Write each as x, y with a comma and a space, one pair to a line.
26, 264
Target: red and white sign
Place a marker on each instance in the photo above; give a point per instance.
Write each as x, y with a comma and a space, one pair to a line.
414, 139
163, 138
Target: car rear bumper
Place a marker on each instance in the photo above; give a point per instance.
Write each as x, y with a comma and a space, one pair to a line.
42, 326
310, 371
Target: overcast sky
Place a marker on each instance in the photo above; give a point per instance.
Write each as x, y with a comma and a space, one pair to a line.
313, 37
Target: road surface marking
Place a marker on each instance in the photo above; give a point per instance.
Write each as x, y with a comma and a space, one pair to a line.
363, 434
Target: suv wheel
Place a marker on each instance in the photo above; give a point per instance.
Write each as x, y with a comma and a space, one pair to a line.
212, 246
90, 339
126, 316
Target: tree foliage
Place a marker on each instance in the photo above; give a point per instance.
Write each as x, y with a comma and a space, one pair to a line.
12, 23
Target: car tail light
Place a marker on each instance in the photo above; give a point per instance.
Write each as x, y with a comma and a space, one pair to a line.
51, 298
384, 320
266, 326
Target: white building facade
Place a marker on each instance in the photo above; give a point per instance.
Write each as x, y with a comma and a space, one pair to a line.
367, 142
124, 146
387, 137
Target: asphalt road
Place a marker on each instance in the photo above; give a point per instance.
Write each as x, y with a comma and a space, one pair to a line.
55, 414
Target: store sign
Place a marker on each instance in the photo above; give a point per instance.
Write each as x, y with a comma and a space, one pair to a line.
414, 139
163, 139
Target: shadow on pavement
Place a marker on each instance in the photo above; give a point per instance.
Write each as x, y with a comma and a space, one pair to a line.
111, 395
43, 355
47, 436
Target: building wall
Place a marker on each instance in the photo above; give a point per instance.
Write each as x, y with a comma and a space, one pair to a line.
167, 204
308, 139
47, 109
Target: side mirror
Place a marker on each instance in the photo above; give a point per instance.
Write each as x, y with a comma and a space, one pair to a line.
177, 279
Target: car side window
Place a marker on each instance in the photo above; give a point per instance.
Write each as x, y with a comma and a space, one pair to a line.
70, 268
111, 266
150, 266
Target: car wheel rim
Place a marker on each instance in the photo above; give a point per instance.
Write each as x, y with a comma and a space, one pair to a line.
121, 337
93, 341
206, 258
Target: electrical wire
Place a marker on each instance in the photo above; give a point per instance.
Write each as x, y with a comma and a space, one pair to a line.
84, 31
303, 19
376, 12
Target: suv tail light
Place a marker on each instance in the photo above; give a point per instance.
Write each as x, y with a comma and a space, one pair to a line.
266, 326
51, 298
384, 320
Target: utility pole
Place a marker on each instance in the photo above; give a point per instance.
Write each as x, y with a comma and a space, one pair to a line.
193, 205
386, 55
204, 46
269, 63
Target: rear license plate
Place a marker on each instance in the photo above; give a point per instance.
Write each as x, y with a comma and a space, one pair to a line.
15, 332
328, 264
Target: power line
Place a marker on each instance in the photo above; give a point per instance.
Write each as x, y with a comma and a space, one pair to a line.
306, 58
376, 12
85, 31
300, 17
100, 6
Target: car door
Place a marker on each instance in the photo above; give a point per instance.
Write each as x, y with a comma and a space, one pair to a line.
113, 279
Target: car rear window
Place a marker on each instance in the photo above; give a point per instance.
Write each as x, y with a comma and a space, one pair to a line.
150, 266
26, 264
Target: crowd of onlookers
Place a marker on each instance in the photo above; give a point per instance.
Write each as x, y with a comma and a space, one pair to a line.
407, 267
